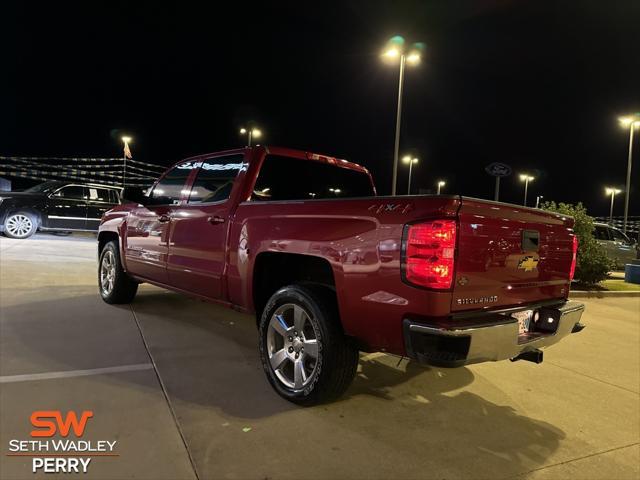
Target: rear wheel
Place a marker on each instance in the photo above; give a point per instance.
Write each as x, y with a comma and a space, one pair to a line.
20, 225
304, 352
115, 285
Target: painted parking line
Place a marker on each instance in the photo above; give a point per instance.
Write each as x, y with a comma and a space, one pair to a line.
74, 373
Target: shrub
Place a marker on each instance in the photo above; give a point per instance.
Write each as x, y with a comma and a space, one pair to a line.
593, 264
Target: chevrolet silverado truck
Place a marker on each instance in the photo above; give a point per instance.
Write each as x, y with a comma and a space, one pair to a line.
330, 269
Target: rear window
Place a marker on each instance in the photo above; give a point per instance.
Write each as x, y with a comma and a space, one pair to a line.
286, 178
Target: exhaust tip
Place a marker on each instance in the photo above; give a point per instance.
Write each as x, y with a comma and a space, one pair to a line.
578, 327
535, 356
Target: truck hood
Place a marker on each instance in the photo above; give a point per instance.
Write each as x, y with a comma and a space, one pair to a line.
22, 195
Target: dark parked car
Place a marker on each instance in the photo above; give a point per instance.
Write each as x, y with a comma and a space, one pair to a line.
56, 207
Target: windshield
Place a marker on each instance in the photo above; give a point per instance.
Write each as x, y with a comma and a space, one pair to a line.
43, 187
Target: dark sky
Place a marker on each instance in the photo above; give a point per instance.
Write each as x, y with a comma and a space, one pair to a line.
537, 85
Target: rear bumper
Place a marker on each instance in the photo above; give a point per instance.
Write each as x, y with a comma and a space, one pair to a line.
491, 340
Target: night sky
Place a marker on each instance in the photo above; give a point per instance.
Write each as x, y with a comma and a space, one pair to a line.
538, 85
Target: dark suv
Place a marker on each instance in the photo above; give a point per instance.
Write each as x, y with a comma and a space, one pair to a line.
57, 207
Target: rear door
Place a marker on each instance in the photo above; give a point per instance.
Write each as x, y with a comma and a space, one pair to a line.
98, 202
67, 208
200, 225
148, 227
510, 255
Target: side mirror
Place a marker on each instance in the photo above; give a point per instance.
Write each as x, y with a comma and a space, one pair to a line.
134, 195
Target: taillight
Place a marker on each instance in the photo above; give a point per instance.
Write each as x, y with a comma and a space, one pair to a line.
429, 254
574, 258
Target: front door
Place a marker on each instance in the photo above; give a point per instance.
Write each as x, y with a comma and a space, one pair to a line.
149, 226
624, 250
67, 208
198, 245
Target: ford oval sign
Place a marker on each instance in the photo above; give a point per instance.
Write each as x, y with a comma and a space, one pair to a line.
497, 169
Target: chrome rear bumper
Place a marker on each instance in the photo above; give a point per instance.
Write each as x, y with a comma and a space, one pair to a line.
496, 339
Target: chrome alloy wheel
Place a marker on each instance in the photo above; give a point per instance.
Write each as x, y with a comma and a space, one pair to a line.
19, 225
107, 272
292, 346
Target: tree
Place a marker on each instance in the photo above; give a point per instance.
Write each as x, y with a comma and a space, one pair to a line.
593, 265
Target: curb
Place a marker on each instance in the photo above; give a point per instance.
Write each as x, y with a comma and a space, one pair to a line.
603, 294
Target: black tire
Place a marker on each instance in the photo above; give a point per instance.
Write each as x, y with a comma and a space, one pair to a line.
122, 288
334, 367
20, 225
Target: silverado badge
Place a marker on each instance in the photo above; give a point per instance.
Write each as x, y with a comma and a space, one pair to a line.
528, 263
476, 300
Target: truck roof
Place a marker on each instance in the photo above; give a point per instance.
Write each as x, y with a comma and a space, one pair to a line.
284, 151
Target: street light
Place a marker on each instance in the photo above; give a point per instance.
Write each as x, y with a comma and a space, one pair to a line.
408, 160
395, 50
613, 192
251, 134
441, 183
526, 179
630, 122
538, 198
126, 154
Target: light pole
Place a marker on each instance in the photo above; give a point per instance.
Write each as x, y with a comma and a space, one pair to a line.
408, 160
613, 192
251, 133
126, 154
526, 179
441, 183
538, 198
630, 122
395, 50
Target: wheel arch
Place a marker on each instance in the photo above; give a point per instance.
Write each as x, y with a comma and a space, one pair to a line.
105, 237
18, 208
274, 270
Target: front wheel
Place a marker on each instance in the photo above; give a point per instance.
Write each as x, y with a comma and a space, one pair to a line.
115, 285
20, 225
304, 352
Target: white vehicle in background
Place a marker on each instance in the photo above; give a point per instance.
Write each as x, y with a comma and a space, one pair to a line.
619, 247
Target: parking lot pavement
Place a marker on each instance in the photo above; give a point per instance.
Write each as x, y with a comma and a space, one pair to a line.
576, 415
62, 348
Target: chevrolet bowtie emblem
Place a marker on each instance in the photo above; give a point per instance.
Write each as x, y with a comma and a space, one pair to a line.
528, 263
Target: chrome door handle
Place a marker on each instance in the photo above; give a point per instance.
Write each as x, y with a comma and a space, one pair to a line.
164, 218
216, 219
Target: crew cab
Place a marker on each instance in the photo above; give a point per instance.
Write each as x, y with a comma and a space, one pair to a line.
56, 206
330, 269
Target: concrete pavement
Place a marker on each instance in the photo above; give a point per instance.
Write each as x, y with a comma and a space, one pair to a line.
576, 415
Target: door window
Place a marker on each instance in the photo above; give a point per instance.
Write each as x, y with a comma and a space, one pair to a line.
99, 194
601, 233
73, 192
169, 190
215, 179
113, 197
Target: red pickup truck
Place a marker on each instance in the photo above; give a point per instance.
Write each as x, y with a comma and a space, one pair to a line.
329, 268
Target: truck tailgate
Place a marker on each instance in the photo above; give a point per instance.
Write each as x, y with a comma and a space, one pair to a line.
510, 255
